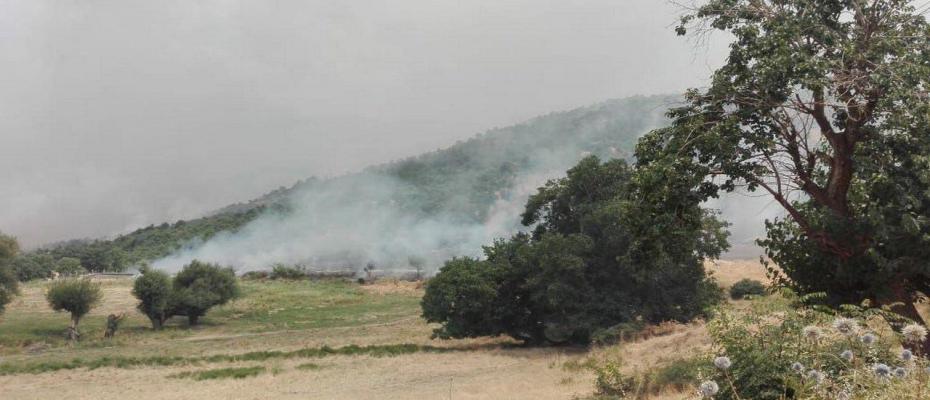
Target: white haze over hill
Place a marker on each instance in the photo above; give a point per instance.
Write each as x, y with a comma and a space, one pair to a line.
348, 226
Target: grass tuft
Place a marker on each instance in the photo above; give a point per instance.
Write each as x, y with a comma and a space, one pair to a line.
220, 373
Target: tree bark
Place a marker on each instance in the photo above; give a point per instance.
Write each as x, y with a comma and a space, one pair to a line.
73, 334
192, 319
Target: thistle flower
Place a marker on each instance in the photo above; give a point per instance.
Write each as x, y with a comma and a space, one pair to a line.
900, 372
815, 376
868, 339
907, 355
847, 355
842, 395
846, 326
914, 333
881, 370
708, 389
812, 332
797, 367
723, 363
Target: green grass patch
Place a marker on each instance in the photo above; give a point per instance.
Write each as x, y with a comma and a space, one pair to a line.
309, 367
391, 350
220, 373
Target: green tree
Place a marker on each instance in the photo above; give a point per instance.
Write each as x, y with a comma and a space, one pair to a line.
76, 296
603, 252
69, 266
9, 286
200, 286
823, 105
153, 290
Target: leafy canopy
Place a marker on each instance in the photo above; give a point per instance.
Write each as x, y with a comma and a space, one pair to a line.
822, 104
602, 253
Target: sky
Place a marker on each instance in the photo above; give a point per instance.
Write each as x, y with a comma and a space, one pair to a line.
120, 114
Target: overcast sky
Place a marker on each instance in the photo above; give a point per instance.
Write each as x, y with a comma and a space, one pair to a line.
118, 114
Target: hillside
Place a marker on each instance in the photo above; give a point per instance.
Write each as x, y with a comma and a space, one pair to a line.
459, 184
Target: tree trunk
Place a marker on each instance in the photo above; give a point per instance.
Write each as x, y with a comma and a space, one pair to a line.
192, 319
73, 334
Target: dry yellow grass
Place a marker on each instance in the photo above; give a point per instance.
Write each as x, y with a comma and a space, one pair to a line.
487, 370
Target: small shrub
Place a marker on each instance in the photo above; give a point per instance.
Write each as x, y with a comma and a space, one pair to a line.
309, 367
281, 271
221, 373
153, 289
747, 287
255, 275
76, 296
201, 286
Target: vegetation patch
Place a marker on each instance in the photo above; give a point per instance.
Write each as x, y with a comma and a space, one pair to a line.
220, 373
309, 367
391, 350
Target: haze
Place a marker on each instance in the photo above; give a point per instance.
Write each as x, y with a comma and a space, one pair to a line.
120, 114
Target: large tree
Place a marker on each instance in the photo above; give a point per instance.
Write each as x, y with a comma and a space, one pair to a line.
823, 104
9, 285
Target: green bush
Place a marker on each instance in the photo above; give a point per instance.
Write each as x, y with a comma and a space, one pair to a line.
677, 375
153, 289
200, 286
746, 287
603, 252
69, 266
9, 285
288, 272
76, 296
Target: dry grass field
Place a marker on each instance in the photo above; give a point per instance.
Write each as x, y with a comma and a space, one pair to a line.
288, 317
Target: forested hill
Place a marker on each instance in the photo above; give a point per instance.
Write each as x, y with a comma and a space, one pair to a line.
460, 182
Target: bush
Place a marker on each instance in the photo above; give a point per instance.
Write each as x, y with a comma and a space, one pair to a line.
746, 287
677, 375
9, 285
69, 266
281, 271
200, 286
76, 296
602, 252
153, 289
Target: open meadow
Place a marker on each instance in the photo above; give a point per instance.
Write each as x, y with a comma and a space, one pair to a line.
298, 339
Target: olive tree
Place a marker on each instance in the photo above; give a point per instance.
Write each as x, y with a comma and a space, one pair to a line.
76, 296
153, 290
200, 286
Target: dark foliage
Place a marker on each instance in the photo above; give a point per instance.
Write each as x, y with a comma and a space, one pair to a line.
599, 256
746, 287
200, 286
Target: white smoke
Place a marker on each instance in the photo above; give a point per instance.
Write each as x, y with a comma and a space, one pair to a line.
351, 224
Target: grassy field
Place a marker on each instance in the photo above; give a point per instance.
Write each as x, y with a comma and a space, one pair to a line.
319, 340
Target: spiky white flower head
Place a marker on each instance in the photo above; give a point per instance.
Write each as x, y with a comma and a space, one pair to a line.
881, 370
797, 367
708, 389
815, 376
907, 355
868, 339
846, 326
723, 363
847, 355
812, 332
914, 333
842, 395
900, 372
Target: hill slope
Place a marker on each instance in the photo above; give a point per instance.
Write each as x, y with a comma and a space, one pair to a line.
457, 197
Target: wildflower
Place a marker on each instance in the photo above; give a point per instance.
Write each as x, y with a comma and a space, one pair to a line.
708, 389
723, 363
847, 355
842, 395
815, 375
900, 372
846, 326
797, 367
914, 333
881, 370
812, 332
868, 339
906, 355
